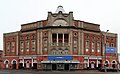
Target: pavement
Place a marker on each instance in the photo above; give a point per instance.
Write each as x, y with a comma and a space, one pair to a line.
54, 72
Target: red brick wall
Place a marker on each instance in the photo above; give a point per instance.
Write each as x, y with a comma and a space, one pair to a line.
10, 39
30, 42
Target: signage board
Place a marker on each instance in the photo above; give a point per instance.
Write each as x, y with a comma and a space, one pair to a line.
92, 57
27, 57
111, 50
59, 57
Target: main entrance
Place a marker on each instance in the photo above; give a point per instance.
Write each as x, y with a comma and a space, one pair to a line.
66, 66
60, 63
14, 65
60, 66
54, 66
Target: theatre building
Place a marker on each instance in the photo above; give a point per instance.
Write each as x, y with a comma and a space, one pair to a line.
60, 43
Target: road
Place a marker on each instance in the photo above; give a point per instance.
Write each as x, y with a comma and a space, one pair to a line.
53, 72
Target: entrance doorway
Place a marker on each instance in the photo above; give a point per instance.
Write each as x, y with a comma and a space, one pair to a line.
21, 66
34, 65
28, 64
99, 66
66, 67
92, 65
54, 67
6, 64
113, 64
14, 65
60, 66
106, 63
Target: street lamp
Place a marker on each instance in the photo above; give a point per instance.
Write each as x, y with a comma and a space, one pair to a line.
105, 51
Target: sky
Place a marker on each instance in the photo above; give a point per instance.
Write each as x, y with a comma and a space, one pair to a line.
13, 13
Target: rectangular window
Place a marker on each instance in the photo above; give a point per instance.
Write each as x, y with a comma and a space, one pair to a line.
87, 43
33, 37
22, 49
60, 51
75, 49
93, 44
66, 52
27, 49
54, 38
93, 37
33, 44
66, 38
87, 46
98, 50
75, 41
13, 46
33, 49
98, 47
60, 38
93, 50
45, 49
93, 47
87, 49
27, 38
22, 46
8, 47
45, 40
27, 44
54, 52
87, 36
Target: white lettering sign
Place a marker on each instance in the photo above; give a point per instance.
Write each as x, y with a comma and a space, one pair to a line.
27, 57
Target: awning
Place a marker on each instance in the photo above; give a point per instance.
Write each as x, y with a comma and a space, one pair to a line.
60, 61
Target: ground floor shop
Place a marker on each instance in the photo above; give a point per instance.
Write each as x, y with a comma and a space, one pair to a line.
58, 62
60, 66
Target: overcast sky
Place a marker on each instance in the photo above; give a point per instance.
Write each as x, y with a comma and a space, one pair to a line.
13, 13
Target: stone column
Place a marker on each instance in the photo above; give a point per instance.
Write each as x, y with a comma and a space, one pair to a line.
41, 52
38, 42
32, 62
88, 61
57, 39
23, 62
97, 63
63, 39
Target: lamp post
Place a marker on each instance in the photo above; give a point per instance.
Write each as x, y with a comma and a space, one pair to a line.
105, 51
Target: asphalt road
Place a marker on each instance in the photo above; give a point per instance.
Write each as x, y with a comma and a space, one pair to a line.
53, 72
